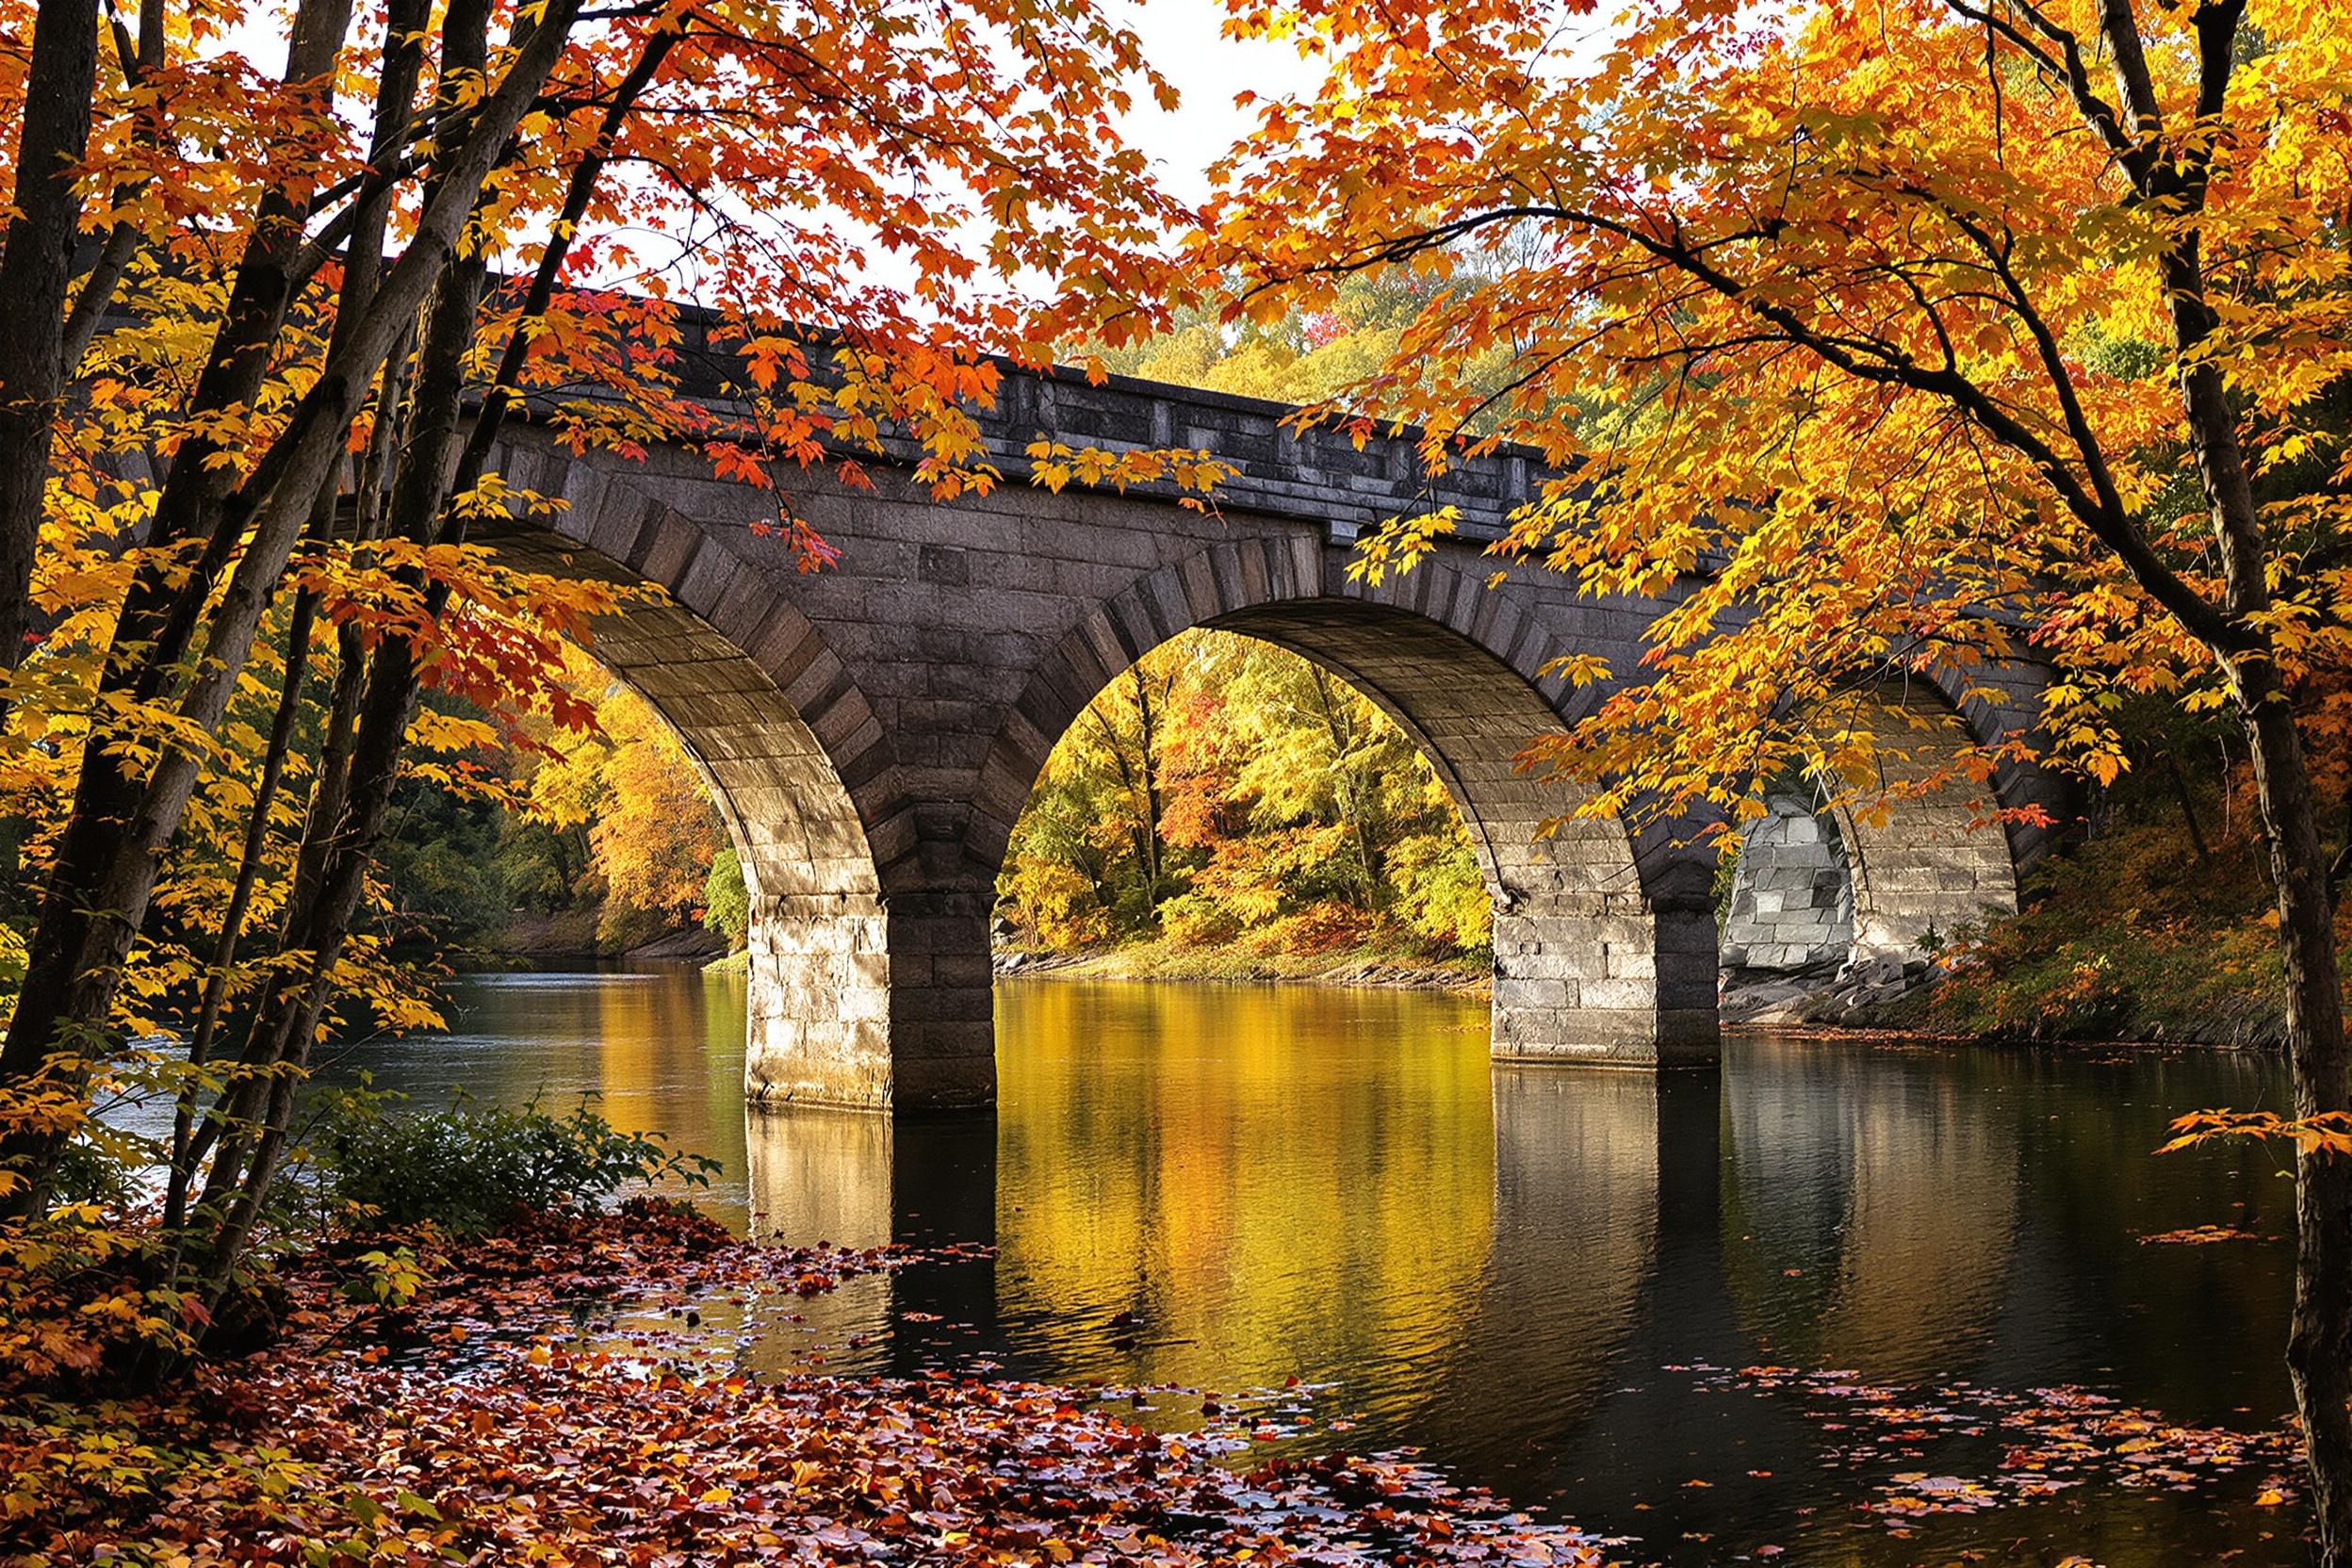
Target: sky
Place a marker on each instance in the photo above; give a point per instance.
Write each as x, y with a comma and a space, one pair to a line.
1182, 39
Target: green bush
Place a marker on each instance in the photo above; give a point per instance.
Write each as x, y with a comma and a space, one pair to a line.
727, 902
471, 1168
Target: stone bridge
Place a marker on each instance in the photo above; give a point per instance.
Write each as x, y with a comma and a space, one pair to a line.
871, 732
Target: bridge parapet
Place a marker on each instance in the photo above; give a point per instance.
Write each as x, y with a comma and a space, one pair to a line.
1319, 474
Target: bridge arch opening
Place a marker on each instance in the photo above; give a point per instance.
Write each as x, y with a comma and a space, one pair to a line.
1884, 868
1603, 947
771, 724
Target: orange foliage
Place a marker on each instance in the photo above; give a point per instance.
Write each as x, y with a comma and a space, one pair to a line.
1846, 331
657, 836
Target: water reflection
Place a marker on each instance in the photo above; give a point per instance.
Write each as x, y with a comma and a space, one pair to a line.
1513, 1269
1578, 1204
1872, 1204
1241, 1185
822, 1176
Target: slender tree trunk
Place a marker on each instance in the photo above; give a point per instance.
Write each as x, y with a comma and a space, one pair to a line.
1142, 834
35, 271
278, 1048
240, 902
353, 794
2319, 1348
138, 60
1343, 788
330, 879
2188, 807
1147, 735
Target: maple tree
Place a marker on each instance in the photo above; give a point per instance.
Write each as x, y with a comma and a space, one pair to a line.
652, 833
1882, 337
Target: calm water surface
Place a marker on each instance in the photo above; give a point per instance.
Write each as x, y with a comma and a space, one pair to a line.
1541, 1278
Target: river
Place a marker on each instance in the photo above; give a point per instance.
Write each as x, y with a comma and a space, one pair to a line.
1329, 1211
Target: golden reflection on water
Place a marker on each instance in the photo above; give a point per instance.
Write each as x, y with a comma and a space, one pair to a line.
1272, 1184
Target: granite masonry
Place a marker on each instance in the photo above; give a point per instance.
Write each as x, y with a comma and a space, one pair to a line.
1792, 891
871, 731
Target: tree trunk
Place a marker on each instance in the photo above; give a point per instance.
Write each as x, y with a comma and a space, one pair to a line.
100, 888
35, 271
349, 813
240, 901
2319, 1344
2188, 807
1342, 736
1154, 845
122, 242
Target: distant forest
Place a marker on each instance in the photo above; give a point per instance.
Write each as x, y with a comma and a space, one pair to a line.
1225, 791
568, 844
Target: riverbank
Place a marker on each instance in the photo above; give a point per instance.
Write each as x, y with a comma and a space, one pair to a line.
1161, 962
1973, 1003
2124, 938
1367, 965
537, 941
476, 1422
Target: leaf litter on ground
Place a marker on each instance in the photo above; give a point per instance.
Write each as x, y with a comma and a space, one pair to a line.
471, 1426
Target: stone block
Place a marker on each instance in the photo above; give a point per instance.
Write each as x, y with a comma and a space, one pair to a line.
1533, 993
1618, 995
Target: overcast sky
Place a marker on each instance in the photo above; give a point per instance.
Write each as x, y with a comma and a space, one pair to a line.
1180, 38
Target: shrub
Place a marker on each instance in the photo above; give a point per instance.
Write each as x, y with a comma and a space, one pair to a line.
82, 1283
1197, 919
726, 901
470, 1168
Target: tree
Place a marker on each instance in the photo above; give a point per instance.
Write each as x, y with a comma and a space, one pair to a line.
1888, 336
53, 102
1224, 785
321, 300
653, 835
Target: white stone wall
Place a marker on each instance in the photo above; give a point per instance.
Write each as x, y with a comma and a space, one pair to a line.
1930, 863
819, 1000
1793, 893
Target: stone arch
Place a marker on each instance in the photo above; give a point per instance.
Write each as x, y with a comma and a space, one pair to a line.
782, 737
1935, 861
1605, 943
1820, 883
1792, 904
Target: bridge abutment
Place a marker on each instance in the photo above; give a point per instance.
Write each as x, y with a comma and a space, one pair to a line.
819, 1002
942, 999
1629, 988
